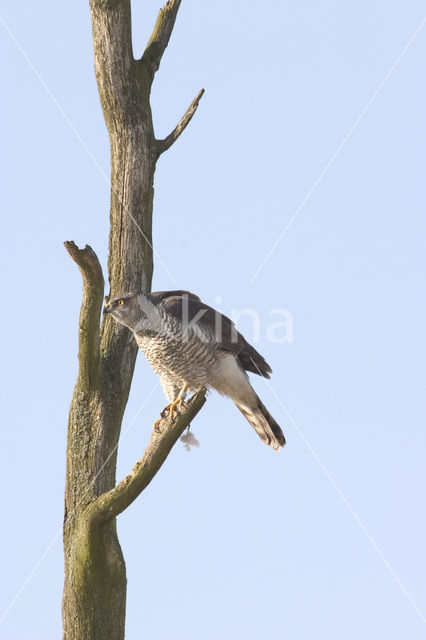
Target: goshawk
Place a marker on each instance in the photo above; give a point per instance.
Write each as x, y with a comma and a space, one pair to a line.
190, 346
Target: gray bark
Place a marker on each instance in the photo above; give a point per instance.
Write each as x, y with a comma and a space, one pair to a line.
95, 576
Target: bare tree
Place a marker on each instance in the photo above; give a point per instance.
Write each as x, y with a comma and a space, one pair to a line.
95, 575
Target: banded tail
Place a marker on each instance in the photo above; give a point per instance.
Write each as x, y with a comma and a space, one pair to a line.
264, 424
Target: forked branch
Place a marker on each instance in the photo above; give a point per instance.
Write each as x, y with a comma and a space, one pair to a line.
90, 312
163, 145
113, 502
160, 36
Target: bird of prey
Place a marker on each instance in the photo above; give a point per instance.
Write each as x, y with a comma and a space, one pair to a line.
192, 346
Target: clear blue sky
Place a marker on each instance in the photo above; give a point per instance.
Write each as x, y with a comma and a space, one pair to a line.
326, 539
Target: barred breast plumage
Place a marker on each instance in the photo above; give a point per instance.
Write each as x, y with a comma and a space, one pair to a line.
179, 358
190, 346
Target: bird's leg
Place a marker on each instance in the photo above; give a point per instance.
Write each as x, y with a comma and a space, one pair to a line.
182, 394
174, 404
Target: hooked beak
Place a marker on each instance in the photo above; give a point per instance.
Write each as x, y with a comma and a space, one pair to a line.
106, 310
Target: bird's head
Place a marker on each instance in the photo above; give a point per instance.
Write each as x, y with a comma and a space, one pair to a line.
125, 308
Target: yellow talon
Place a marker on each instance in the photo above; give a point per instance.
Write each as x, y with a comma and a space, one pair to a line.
172, 406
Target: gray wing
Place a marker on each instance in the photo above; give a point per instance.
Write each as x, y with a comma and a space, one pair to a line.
160, 296
182, 303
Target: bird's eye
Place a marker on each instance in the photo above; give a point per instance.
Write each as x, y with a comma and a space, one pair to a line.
120, 303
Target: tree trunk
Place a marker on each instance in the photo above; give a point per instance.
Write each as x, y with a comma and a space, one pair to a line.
95, 576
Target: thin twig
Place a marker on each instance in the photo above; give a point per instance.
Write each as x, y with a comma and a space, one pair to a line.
163, 145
